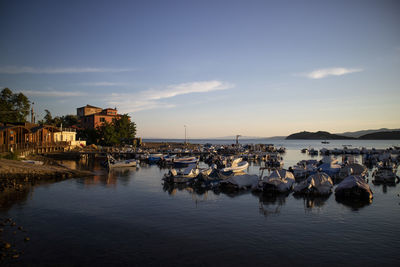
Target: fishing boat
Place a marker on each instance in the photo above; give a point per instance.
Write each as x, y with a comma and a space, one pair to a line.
113, 163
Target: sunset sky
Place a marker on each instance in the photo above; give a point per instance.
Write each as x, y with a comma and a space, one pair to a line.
256, 68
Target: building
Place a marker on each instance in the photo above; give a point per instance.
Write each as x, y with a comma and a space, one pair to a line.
92, 117
87, 110
23, 136
68, 135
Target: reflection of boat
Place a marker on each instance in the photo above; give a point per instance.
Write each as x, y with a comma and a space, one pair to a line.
312, 201
353, 187
113, 163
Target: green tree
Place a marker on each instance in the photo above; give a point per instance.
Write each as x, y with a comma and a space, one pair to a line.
125, 128
48, 119
108, 134
13, 107
120, 131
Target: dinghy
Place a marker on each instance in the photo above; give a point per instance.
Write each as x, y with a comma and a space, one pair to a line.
184, 176
113, 163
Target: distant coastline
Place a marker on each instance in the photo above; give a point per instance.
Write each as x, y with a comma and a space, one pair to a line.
321, 135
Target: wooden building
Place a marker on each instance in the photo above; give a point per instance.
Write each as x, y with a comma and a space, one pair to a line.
25, 135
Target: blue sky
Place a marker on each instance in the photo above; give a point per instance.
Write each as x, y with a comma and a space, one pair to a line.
256, 68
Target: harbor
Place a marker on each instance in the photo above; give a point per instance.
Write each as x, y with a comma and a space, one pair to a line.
136, 209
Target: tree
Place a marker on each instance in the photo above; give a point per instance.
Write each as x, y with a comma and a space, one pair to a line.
120, 131
13, 107
125, 128
48, 119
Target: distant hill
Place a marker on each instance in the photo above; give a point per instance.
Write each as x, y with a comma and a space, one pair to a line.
365, 132
317, 136
393, 135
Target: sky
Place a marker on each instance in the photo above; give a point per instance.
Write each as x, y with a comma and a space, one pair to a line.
216, 68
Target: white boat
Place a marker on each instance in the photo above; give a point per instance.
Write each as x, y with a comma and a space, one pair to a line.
113, 163
316, 184
240, 182
184, 176
278, 181
237, 166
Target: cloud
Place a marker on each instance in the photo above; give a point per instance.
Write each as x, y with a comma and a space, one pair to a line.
322, 73
151, 99
33, 70
53, 93
102, 84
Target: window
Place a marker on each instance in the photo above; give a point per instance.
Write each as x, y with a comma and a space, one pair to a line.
102, 119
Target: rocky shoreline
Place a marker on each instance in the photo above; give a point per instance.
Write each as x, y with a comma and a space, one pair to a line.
14, 173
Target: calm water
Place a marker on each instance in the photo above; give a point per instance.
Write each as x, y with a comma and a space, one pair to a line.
128, 217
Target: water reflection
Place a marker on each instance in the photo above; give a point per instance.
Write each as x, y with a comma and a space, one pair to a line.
312, 202
354, 204
270, 204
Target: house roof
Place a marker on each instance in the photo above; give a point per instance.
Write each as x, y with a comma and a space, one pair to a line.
3, 128
89, 106
41, 127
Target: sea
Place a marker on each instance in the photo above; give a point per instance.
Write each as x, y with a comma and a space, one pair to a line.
129, 217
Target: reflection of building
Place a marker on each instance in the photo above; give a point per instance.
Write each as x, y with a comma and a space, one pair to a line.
92, 117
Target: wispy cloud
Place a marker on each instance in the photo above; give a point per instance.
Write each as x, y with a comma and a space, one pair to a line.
151, 99
102, 84
322, 73
53, 93
34, 70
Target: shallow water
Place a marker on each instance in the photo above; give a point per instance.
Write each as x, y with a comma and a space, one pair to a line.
128, 217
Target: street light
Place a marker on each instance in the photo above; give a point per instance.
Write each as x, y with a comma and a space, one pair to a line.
185, 133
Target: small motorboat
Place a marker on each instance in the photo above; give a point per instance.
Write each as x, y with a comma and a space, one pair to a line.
184, 176
113, 163
238, 165
354, 187
183, 162
154, 158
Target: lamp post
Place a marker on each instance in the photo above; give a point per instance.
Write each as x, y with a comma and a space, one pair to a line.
185, 133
